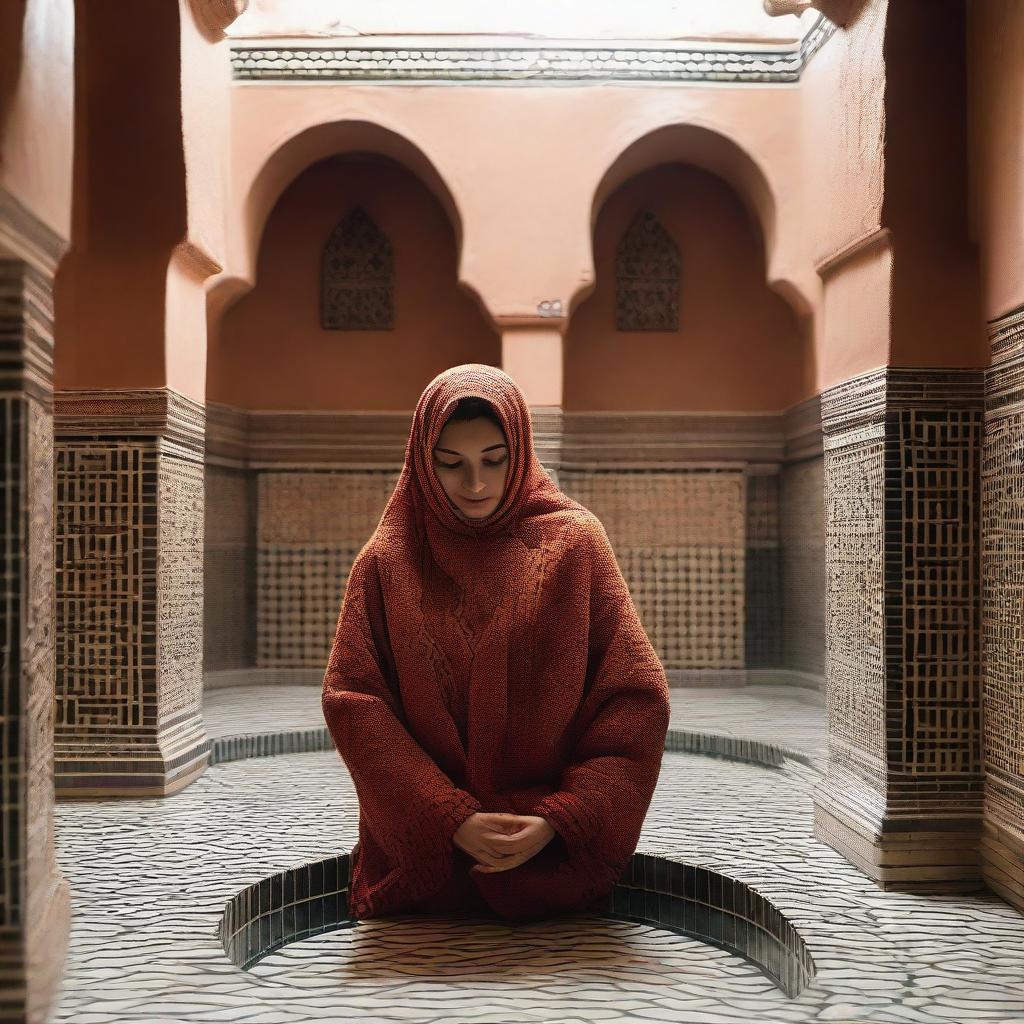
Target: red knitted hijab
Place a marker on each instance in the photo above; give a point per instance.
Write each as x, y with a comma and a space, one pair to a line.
419, 496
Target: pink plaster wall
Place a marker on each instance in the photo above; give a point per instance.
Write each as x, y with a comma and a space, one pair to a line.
522, 166
739, 345
36, 107
808, 161
885, 147
996, 96
129, 200
842, 130
270, 351
842, 133
149, 195
936, 312
205, 114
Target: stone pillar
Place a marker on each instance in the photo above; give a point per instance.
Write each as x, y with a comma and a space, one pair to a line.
532, 354
35, 900
1002, 847
129, 574
902, 794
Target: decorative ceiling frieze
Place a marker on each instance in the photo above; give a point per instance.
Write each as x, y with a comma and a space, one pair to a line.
582, 63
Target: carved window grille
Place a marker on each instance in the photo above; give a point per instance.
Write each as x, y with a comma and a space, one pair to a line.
646, 278
357, 277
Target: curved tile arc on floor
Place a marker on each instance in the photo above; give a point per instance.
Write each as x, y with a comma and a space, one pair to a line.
296, 741
313, 898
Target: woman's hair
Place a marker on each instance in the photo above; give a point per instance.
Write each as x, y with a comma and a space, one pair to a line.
472, 408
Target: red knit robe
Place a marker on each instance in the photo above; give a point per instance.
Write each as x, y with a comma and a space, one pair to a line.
525, 617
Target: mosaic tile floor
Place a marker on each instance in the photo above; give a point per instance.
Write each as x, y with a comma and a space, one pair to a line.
144, 946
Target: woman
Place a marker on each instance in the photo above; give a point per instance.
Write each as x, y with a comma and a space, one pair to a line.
490, 688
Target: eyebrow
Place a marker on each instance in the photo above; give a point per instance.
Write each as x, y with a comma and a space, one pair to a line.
438, 448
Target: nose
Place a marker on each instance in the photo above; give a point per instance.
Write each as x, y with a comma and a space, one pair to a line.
473, 483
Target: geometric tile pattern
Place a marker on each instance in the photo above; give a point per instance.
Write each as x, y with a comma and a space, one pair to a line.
933, 636
802, 586
357, 277
179, 615
229, 568
1003, 609
154, 954
705, 604
106, 588
764, 596
310, 527
34, 897
297, 600
903, 656
678, 537
646, 277
129, 572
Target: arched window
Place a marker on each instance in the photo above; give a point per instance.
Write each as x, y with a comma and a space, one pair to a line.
646, 278
357, 277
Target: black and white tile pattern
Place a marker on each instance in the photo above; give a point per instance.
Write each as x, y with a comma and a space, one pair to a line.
151, 878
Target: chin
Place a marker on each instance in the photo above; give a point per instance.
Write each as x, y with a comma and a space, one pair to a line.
484, 511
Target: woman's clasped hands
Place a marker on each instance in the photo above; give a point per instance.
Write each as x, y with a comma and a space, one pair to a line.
500, 841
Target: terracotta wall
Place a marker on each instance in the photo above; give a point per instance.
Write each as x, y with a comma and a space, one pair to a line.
842, 92
842, 133
738, 346
205, 117
36, 107
809, 159
522, 166
936, 312
205, 122
271, 352
884, 142
995, 53
129, 199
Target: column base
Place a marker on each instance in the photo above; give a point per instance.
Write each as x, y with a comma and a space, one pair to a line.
943, 857
46, 944
145, 766
1002, 861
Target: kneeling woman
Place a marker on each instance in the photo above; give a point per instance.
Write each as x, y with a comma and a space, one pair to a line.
490, 688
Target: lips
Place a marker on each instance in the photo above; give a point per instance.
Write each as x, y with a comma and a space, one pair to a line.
475, 501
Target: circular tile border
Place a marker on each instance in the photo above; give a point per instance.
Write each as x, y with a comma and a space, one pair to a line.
709, 744
684, 898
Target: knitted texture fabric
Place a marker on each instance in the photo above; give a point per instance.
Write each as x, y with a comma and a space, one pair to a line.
491, 665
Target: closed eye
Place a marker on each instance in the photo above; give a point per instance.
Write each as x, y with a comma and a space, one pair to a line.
487, 462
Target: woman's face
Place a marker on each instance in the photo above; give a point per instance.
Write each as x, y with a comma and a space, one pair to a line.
471, 461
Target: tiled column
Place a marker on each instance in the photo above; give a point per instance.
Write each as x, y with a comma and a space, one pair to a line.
34, 897
129, 571
1002, 848
903, 790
